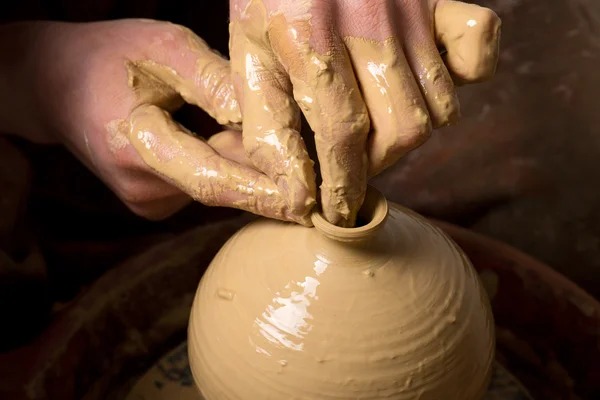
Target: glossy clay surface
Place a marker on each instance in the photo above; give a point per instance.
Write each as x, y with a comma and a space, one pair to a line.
285, 312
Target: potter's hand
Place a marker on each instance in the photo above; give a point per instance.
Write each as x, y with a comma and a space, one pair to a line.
106, 91
368, 76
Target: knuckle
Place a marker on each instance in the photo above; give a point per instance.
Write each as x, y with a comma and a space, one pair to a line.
415, 132
351, 127
371, 9
487, 18
369, 18
419, 127
360, 124
446, 110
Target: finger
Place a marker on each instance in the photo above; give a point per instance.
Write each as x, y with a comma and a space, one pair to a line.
471, 36
195, 168
229, 144
399, 118
271, 134
184, 68
159, 209
437, 87
327, 92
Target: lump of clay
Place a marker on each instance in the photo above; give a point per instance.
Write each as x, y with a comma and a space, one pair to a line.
388, 310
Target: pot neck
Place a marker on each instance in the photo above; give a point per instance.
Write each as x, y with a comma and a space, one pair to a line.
371, 218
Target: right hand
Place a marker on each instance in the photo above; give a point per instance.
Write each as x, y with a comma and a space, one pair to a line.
368, 76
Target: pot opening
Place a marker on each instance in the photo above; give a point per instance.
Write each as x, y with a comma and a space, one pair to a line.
370, 217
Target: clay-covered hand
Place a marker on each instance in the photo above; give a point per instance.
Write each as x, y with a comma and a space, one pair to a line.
107, 90
368, 76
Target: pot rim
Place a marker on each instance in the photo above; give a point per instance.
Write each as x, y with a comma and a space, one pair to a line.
374, 212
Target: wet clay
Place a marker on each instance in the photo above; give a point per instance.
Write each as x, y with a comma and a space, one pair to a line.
179, 156
397, 116
471, 34
390, 310
357, 94
191, 165
323, 86
271, 119
211, 88
361, 98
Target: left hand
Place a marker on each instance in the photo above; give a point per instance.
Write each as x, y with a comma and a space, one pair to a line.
106, 90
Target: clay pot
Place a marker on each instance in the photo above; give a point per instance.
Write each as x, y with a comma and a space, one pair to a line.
391, 309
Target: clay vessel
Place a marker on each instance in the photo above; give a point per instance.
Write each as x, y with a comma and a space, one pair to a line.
391, 309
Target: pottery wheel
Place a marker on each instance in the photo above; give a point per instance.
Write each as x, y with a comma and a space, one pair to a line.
171, 378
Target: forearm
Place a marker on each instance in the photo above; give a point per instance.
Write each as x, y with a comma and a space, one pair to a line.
20, 47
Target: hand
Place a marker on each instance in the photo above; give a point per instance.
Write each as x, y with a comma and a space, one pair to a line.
106, 91
368, 76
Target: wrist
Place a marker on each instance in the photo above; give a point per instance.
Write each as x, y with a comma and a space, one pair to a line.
20, 47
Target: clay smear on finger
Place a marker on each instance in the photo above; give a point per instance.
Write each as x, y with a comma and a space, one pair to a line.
160, 85
471, 34
271, 118
213, 77
152, 83
180, 157
416, 28
325, 89
438, 89
399, 118
194, 167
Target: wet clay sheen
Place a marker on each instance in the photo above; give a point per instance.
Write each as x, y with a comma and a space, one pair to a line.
330, 100
438, 89
390, 310
398, 116
176, 154
173, 152
272, 122
211, 88
471, 34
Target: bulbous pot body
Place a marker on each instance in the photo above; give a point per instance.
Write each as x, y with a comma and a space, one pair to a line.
390, 310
